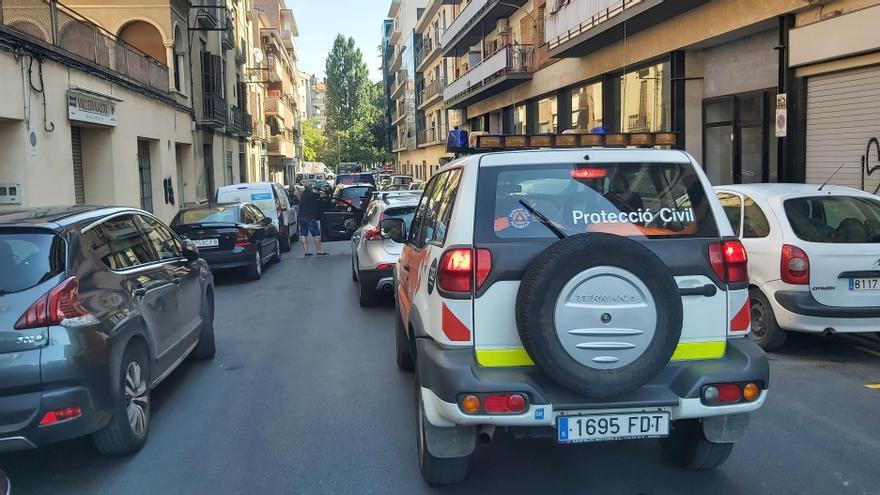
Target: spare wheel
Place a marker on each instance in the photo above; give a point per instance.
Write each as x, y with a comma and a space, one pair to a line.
600, 314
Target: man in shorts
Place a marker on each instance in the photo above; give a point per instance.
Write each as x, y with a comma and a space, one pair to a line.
309, 211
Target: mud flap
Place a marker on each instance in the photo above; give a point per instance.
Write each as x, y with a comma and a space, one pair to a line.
725, 429
448, 442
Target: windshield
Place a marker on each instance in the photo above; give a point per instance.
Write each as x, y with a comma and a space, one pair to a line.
29, 259
835, 219
406, 214
353, 192
215, 214
629, 199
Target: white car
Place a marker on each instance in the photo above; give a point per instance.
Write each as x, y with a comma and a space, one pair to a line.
372, 257
583, 294
272, 199
814, 257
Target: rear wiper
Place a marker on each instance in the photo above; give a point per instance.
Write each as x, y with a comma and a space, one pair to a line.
544, 220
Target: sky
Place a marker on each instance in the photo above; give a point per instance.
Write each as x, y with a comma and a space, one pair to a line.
319, 21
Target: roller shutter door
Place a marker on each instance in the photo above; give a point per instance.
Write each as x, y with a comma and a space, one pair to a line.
79, 187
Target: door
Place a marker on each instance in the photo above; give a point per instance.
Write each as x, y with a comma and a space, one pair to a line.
79, 187
739, 145
347, 203
145, 175
265, 235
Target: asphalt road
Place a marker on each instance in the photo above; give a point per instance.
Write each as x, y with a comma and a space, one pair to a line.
304, 397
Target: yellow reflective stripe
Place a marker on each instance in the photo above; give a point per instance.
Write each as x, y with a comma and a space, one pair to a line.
685, 351
688, 351
504, 357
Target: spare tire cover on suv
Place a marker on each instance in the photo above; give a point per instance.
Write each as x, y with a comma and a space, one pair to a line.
600, 314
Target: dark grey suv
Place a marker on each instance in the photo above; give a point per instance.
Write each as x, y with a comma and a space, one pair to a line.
97, 306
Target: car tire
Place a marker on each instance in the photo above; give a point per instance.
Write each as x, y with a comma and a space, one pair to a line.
206, 348
354, 275
123, 435
255, 271
590, 259
436, 470
367, 296
688, 447
765, 329
276, 257
295, 232
402, 349
286, 245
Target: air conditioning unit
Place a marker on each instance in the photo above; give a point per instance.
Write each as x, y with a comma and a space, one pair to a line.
503, 26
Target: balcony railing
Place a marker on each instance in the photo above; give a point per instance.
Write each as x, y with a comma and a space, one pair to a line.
400, 78
260, 130
430, 47
280, 145
512, 59
432, 135
580, 16
431, 91
398, 115
397, 58
240, 122
214, 110
275, 105
468, 27
227, 36
75, 35
395, 31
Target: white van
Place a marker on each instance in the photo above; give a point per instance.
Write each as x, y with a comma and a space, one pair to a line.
272, 200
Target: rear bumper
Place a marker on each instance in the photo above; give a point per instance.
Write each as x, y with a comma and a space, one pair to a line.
800, 311
378, 279
224, 260
21, 415
447, 373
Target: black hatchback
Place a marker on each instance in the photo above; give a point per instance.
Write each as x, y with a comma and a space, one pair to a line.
231, 236
97, 306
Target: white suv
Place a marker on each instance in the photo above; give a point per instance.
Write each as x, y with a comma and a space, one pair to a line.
584, 294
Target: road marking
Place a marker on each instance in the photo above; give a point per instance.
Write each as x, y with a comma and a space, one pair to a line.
875, 386
869, 351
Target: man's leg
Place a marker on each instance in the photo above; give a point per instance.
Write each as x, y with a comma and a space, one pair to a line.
316, 233
303, 236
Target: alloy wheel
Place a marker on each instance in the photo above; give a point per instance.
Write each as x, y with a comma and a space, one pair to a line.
259, 261
137, 399
759, 316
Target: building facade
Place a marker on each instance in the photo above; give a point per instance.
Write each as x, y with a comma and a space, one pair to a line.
757, 91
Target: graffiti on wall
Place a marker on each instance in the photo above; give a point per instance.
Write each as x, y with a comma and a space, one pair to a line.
871, 163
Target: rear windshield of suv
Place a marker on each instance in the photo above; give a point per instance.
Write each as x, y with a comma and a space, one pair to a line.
28, 259
653, 200
835, 219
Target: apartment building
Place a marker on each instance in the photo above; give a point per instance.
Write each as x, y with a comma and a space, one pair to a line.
756, 90
319, 103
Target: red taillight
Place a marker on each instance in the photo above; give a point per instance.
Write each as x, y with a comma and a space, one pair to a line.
728, 393
385, 266
342, 204
794, 265
504, 403
52, 417
455, 270
59, 306
242, 238
484, 266
375, 234
729, 261
588, 173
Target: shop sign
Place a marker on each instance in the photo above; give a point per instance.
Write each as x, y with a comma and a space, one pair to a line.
781, 115
82, 107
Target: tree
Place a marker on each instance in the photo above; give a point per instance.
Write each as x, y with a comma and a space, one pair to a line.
314, 143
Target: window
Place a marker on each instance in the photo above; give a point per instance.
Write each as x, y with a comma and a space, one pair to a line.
128, 247
28, 259
230, 178
732, 204
220, 214
519, 119
163, 242
586, 107
629, 199
547, 115
251, 214
835, 219
739, 144
643, 99
755, 224
437, 203
145, 175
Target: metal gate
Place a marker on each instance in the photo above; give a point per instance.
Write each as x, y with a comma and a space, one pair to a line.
79, 188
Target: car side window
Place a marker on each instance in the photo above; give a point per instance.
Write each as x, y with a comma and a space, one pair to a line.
249, 215
429, 224
755, 224
281, 196
421, 212
162, 240
447, 201
120, 244
370, 213
732, 205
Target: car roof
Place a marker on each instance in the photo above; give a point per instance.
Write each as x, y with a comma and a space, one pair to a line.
767, 190
56, 217
533, 157
212, 205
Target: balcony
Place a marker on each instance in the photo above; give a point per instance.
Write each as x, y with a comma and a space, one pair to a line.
430, 11
397, 58
399, 115
54, 24
506, 68
583, 26
476, 19
260, 130
429, 53
400, 79
240, 122
275, 105
396, 31
227, 36
397, 145
430, 94
214, 112
281, 146
432, 136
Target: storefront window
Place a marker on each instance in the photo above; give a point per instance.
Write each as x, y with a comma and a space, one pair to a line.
547, 115
519, 119
586, 107
739, 144
644, 99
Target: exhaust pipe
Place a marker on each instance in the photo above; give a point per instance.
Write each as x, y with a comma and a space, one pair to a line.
386, 287
485, 434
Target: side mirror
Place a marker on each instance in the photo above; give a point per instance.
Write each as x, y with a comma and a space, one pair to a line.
393, 229
189, 250
266, 221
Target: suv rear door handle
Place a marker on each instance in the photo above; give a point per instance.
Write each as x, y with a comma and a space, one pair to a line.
708, 290
175, 280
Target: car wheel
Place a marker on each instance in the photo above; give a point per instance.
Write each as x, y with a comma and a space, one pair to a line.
765, 330
688, 447
128, 427
401, 343
285, 241
367, 296
354, 275
276, 257
436, 470
206, 349
255, 271
295, 232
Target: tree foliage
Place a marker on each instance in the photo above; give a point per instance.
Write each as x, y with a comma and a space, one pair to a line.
315, 147
354, 107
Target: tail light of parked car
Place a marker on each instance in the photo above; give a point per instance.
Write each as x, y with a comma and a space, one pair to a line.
242, 238
794, 265
729, 261
503, 403
59, 306
458, 269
